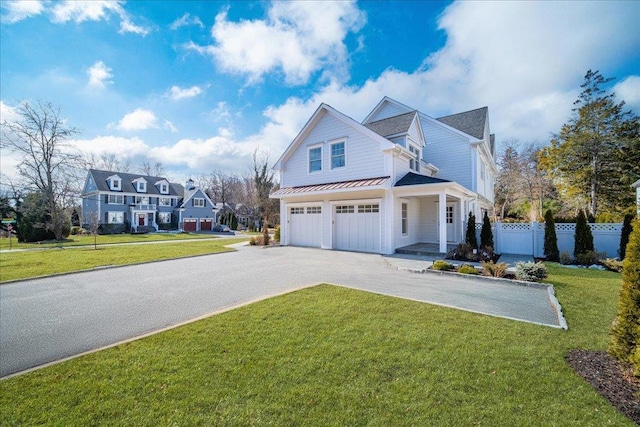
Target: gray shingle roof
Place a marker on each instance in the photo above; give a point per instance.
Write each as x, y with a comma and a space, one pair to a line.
415, 179
392, 125
470, 122
100, 177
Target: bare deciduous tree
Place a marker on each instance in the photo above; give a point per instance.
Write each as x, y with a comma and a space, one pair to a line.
41, 137
107, 161
153, 169
264, 182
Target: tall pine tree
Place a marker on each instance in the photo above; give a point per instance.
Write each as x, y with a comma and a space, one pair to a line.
596, 155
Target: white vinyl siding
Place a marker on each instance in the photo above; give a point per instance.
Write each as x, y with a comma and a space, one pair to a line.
450, 152
363, 156
388, 110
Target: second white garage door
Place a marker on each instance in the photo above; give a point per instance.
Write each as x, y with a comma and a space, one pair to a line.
305, 226
357, 227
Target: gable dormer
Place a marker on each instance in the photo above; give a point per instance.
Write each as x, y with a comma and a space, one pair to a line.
162, 186
140, 184
115, 183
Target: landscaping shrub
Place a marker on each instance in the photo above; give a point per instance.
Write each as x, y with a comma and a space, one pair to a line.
462, 252
468, 269
625, 342
590, 258
276, 234
470, 237
624, 236
486, 235
583, 237
530, 272
550, 239
77, 231
612, 264
490, 268
441, 265
485, 254
565, 258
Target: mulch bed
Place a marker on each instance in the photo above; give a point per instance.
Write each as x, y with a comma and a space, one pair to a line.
610, 378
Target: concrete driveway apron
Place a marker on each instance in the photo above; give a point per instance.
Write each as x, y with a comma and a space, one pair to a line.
48, 319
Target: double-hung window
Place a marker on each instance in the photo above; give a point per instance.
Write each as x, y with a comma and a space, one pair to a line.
315, 159
414, 163
164, 201
198, 203
116, 199
337, 155
164, 217
405, 219
115, 217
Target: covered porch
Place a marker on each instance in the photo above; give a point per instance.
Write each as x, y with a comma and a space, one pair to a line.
143, 216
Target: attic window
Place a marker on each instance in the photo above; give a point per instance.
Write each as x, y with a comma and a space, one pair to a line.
414, 163
315, 159
115, 184
164, 188
198, 203
142, 187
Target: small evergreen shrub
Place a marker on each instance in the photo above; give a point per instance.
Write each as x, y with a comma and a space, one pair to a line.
530, 272
486, 235
468, 269
565, 258
583, 237
441, 265
276, 234
550, 238
624, 236
490, 268
625, 342
470, 237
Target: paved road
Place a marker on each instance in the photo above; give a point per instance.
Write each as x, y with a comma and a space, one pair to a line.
48, 319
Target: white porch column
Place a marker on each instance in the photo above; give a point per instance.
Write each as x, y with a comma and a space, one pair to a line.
442, 221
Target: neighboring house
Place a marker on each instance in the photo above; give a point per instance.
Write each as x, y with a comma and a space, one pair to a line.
398, 178
197, 212
122, 202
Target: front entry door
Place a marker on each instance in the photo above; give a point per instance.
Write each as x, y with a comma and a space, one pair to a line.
451, 223
141, 220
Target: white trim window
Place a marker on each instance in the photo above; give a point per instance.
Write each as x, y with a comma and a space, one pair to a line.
164, 201
115, 217
116, 199
198, 203
142, 200
414, 163
142, 187
405, 219
315, 159
164, 188
164, 217
115, 184
338, 155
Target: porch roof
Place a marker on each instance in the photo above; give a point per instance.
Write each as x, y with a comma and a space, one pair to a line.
415, 179
355, 183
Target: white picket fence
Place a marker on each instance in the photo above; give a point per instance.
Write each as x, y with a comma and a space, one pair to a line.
528, 238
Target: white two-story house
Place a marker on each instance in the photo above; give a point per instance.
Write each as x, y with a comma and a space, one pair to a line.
398, 178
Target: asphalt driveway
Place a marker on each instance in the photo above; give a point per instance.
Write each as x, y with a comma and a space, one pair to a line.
52, 318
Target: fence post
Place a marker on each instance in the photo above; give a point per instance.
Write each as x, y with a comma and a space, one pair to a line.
534, 238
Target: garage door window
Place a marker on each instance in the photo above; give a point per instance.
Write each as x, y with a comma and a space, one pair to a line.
369, 208
345, 209
297, 211
314, 210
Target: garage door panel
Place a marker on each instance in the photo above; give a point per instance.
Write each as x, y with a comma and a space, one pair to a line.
305, 226
357, 227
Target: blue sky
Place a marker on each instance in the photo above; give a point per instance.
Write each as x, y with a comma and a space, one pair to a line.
199, 85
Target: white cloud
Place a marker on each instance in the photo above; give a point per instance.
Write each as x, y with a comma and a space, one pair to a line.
297, 39
185, 20
139, 119
170, 126
99, 75
121, 147
8, 113
80, 11
177, 93
628, 90
126, 26
18, 10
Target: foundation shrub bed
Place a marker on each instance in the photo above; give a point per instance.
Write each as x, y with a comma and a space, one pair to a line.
467, 269
442, 265
531, 272
490, 268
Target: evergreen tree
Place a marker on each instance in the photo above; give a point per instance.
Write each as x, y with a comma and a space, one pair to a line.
583, 237
550, 239
471, 238
624, 236
625, 342
486, 235
596, 155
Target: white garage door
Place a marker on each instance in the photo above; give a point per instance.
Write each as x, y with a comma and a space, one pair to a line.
305, 226
357, 227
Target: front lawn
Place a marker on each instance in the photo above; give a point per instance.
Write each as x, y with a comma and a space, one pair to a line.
333, 356
22, 265
102, 239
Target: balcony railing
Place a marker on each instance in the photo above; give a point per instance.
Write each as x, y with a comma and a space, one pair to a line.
144, 207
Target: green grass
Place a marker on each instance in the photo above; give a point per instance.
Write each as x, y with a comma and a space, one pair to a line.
22, 265
333, 356
106, 239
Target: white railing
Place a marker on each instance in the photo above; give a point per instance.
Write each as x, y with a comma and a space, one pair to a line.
144, 207
528, 238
